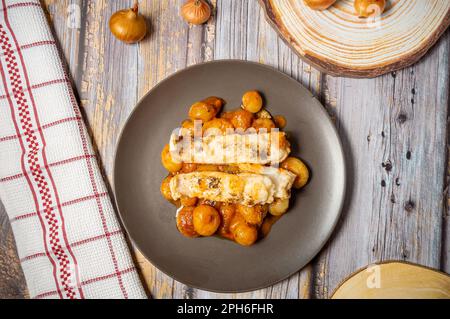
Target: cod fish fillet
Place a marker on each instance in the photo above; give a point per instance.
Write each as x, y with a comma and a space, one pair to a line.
281, 178
255, 148
245, 188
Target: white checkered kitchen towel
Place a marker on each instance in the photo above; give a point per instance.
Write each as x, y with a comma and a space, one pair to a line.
69, 240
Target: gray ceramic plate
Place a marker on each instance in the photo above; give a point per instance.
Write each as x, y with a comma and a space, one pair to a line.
212, 263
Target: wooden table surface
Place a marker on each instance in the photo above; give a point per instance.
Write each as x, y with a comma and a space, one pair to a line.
394, 129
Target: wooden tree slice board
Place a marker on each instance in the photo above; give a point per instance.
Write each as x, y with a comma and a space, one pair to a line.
395, 280
340, 43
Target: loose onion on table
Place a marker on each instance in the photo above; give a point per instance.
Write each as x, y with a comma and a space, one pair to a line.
128, 25
196, 11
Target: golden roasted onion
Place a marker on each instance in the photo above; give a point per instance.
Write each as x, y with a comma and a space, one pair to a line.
196, 11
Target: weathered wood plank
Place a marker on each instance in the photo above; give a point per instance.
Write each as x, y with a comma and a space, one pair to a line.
394, 133
65, 18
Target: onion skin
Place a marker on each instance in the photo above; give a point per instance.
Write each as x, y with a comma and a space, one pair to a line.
128, 25
196, 11
319, 4
369, 8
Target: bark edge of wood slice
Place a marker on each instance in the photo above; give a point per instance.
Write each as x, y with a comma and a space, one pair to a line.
339, 43
395, 280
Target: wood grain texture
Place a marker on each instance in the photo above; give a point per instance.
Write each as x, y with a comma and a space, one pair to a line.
394, 130
395, 280
337, 41
12, 281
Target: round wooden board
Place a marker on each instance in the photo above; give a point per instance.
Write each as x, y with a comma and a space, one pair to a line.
340, 43
395, 280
